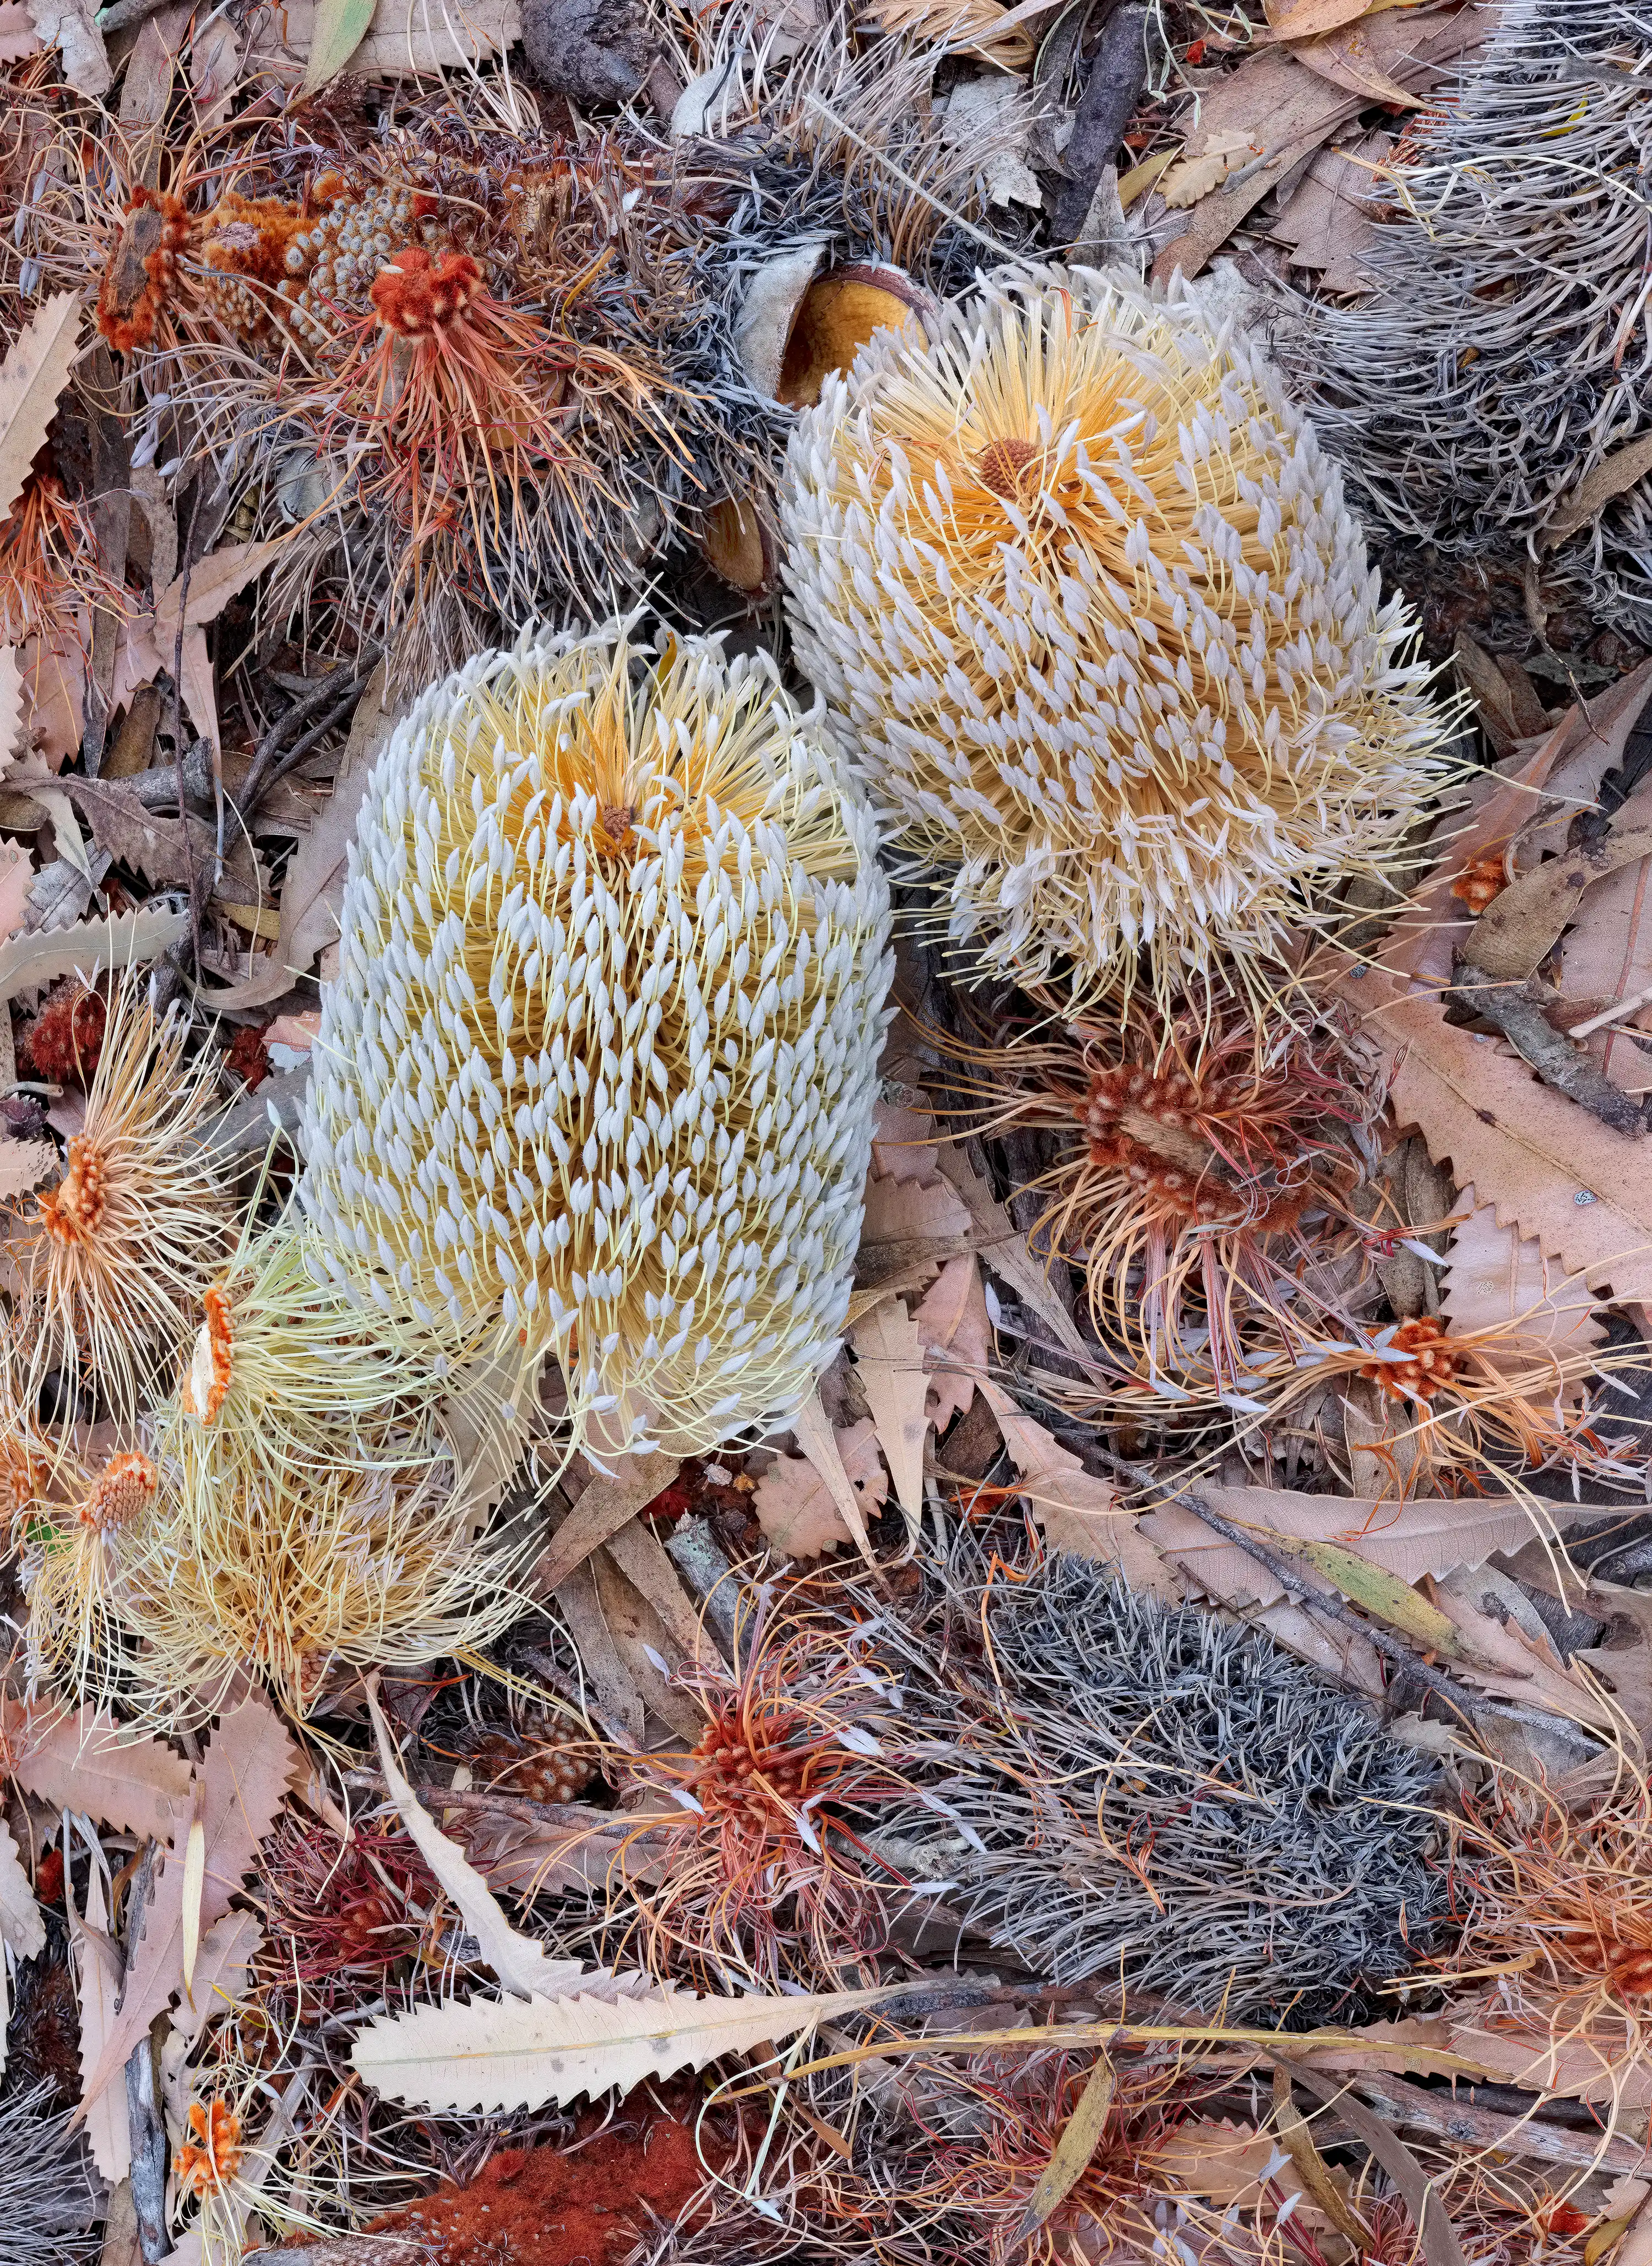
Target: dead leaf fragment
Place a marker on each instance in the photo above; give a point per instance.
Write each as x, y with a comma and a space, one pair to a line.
32, 377
72, 26
889, 1362
795, 1508
956, 1336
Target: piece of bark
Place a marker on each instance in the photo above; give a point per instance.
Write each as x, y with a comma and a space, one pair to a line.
1118, 72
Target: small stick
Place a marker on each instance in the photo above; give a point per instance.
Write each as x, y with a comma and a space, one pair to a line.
347, 678
125, 13
1611, 1014
601, 1823
1461, 1697
1516, 1009
1117, 76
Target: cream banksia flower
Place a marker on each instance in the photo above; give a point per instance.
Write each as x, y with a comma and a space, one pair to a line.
1096, 630
599, 1065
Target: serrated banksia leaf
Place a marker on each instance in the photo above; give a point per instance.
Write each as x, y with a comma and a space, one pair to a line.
1098, 632
600, 1061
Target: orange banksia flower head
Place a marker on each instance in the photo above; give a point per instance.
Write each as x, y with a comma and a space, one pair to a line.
141, 280
213, 2154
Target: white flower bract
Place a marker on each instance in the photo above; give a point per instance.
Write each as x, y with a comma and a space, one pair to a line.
600, 1061
1097, 633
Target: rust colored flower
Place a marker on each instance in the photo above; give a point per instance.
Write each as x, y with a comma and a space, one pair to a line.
211, 2157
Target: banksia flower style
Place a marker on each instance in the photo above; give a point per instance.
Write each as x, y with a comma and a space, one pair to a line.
600, 1061
1091, 617
1512, 215
113, 1256
1149, 1796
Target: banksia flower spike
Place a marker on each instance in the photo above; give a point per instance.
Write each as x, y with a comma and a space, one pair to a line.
599, 1063
1507, 210
1094, 623
113, 1256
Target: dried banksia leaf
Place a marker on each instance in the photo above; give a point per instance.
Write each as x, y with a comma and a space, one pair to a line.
1092, 621
599, 1063
115, 1254
1480, 388
1149, 1796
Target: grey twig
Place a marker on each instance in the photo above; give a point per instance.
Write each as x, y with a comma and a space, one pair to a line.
124, 13
1516, 1009
1118, 73
270, 762
143, 2118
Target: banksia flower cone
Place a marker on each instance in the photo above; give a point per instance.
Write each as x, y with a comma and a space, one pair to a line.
1090, 615
600, 1061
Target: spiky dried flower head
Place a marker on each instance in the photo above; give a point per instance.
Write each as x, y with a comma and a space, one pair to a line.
471, 371
1204, 1163
66, 1036
237, 1565
1508, 213
1093, 622
1147, 1793
600, 1059
114, 1254
768, 1873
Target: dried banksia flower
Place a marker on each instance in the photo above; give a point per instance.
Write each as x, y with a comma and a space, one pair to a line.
470, 368
288, 1573
340, 1914
949, 2153
600, 1059
1203, 1165
1098, 632
1499, 358
114, 1254
1147, 1795
65, 1039
1553, 1899
769, 1873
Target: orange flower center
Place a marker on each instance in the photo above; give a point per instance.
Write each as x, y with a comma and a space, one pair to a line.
1002, 465
735, 1775
212, 2156
1429, 1364
73, 1210
415, 294
124, 1487
1479, 882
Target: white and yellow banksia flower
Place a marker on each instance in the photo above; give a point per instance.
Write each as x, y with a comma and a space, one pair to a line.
1095, 628
599, 1063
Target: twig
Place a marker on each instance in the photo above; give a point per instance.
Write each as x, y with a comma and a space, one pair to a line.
268, 765
1516, 1009
1111, 93
124, 13
1480, 2128
147, 2134
1461, 1697
604, 1823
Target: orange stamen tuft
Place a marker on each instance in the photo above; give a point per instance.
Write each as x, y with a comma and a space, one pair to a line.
207, 2161
74, 1210
122, 1489
416, 294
